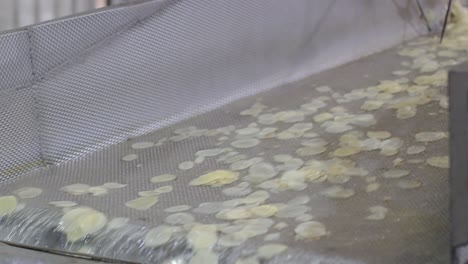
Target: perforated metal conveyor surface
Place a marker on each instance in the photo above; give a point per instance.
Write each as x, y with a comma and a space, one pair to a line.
414, 230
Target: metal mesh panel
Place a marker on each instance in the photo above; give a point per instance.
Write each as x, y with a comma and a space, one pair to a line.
189, 58
15, 66
51, 47
19, 124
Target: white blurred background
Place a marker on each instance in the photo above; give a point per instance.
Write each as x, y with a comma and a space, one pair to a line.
19, 13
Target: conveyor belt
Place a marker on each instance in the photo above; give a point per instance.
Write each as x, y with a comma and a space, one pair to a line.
414, 230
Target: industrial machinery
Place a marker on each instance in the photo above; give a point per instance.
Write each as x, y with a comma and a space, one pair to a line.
237, 132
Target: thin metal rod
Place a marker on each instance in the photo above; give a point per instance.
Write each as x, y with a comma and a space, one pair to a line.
423, 15
447, 14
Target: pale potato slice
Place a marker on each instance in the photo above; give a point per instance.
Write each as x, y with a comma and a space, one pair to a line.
227, 156
412, 52
209, 208
370, 144
180, 219
311, 230
76, 189
202, 236
314, 105
248, 131
439, 162
244, 164
158, 236
142, 203
268, 251
285, 135
8, 205
430, 136
322, 117
377, 213
63, 203
256, 197
280, 226
216, 178
148, 193
241, 189
267, 119
263, 170
338, 178
292, 211
406, 112
142, 145
204, 256
323, 89
396, 173
272, 236
199, 160
290, 116
301, 127
213, 152
163, 178
292, 164
164, 189
338, 192
312, 174
28, 192
429, 66
113, 185
314, 143
266, 210
177, 208
117, 223
412, 150
439, 78
336, 127
443, 102
409, 184
234, 214
300, 200
304, 218
371, 179
97, 190
254, 110
233, 239
245, 143
267, 132
447, 54
415, 161
400, 73
81, 222
389, 151
391, 143
157, 191
372, 187
346, 151
130, 157
372, 105
379, 134
186, 165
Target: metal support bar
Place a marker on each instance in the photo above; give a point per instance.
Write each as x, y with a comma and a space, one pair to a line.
458, 93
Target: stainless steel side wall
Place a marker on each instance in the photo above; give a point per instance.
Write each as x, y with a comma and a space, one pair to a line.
73, 86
